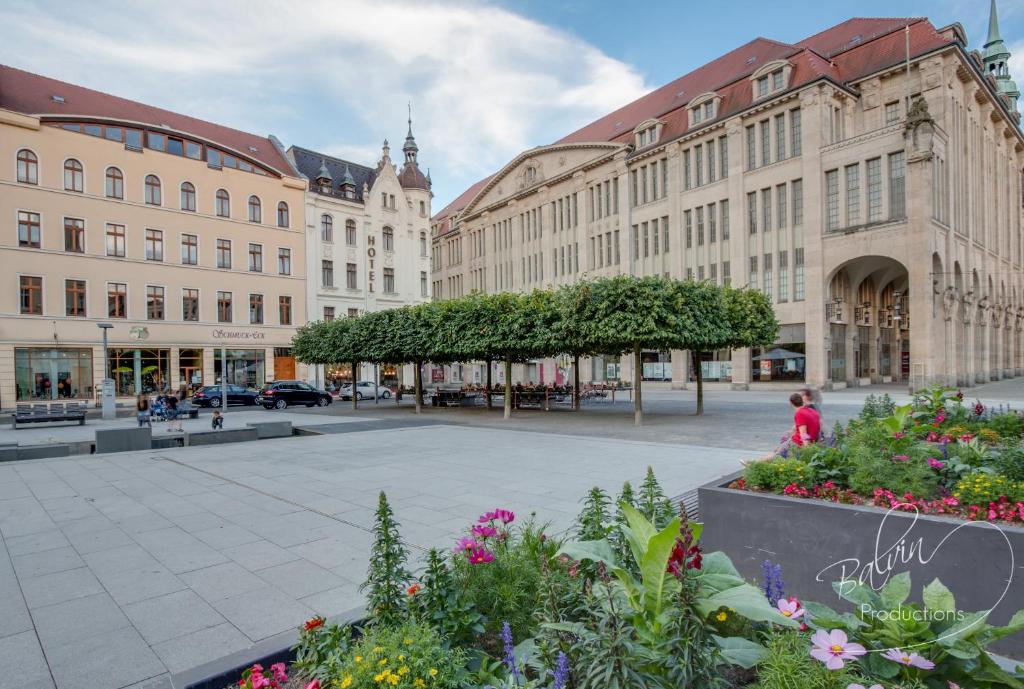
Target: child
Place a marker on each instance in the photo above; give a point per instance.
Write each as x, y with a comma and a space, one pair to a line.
217, 422
142, 410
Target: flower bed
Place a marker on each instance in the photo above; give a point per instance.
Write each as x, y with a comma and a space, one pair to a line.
633, 601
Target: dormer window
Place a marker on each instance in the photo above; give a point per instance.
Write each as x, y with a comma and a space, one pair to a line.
647, 133
704, 108
771, 78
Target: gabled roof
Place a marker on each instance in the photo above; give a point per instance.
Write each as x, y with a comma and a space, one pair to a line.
32, 94
308, 163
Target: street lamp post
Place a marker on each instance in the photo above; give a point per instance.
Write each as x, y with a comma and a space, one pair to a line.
107, 401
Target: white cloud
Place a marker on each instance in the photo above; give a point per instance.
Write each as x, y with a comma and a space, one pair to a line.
485, 83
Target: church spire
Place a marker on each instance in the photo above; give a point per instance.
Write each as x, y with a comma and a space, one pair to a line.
996, 59
410, 148
993, 26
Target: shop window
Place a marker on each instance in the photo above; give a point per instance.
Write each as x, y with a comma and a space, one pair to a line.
47, 374
784, 361
140, 371
245, 367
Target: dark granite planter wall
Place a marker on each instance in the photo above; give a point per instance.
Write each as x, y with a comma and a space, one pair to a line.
807, 536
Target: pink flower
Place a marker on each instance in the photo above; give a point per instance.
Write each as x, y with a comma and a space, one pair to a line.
966, 438
935, 464
898, 435
873, 686
259, 681
315, 684
910, 660
900, 458
940, 417
790, 608
832, 648
465, 544
506, 516
480, 556
484, 531
279, 672
952, 685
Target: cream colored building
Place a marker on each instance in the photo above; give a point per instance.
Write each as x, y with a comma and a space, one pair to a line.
185, 235
367, 239
889, 238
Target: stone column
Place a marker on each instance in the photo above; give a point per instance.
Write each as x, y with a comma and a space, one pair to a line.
210, 356
680, 369
174, 361
815, 271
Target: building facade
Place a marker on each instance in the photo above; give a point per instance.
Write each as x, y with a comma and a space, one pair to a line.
868, 179
186, 236
367, 239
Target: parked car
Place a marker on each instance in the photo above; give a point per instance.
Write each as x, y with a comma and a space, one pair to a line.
287, 393
364, 391
210, 396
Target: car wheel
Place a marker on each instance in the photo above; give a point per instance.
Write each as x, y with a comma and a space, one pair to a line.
359, 396
215, 402
386, 394
323, 402
280, 404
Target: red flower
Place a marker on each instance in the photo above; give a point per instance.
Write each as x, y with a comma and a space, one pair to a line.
413, 590
313, 623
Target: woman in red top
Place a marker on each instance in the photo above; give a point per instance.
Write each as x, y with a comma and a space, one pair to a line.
806, 422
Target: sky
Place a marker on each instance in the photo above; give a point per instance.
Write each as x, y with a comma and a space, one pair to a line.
486, 80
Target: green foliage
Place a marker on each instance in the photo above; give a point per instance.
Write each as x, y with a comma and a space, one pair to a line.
408, 651
1007, 424
983, 487
936, 398
387, 577
911, 476
776, 474
592, 523
877, 407
440, 604
1009, 461
652, 502
321, 648
788, 665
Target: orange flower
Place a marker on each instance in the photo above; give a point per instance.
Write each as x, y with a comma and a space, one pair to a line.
413, 590
313, 623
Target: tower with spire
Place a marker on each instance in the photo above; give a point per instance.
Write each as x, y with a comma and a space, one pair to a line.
996, 58
411, 177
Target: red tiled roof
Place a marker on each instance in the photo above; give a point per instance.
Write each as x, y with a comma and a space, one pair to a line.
844, 53
31, 94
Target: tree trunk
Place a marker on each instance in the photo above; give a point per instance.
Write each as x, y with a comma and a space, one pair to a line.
487, 394
576, 382
695, 358
418, 378
355, 395
638, 407
508, 388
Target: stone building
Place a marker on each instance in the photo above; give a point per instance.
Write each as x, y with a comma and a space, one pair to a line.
867, 178
184, 235
367, 240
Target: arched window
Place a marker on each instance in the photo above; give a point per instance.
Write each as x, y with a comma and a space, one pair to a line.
223, 203
188, 197
423, 243
350, 232
28, 167
282, 214
326, 228
255, 210
114, 184
153, 190
389, 239
73, 175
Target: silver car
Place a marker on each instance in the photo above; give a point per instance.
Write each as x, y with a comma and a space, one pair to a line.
364, 391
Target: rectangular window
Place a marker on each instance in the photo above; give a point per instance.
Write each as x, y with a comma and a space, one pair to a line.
350, 276
328, 313
686, 169
284, 261
798, 274
711, 161
74, 297
688, 223
892, 112
327, 273
223, 253
223, 307
781, 207
29, 232
783, 277
643, 184
655, 237
874, 190
897, 186
798, 202
752, 212
780, 137
700, 225
700, 273
777, 80
617, 255
352, 313
117, 300
852, 173
608, 248
751, 148
74, 235
832, 200
154, 245
284, 310
766, 142
423, 283
795, 132
115, 240
726, 275
698, 164
664, 235
189, 304
647, 240
256, 309
255, 258
189, 249
723, 156
762, 86
752, 280
633, 199
766, 210
723, 206
30, 294
154, 303
389, 281
664, 177
768, 275
712, 224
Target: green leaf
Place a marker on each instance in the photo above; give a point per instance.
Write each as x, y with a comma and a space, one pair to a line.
594, 551
895, 591
937, 597
971, 624
739, 651
654, 568
748, 602
857, 593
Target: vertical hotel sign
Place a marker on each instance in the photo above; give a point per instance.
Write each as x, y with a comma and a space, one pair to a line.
371, 253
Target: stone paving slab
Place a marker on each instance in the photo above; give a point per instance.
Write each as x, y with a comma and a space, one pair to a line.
129, 566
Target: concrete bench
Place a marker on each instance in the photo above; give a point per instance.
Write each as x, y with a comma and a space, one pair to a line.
229, 435
124, 439
42, 413
271, 429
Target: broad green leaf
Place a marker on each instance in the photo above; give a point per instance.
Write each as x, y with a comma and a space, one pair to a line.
822, 615
937, 597
970, 624
895, 591
654, 569
989, 671
857, 593
739, 651
880, 667
595, 551
1015, 625
748, 602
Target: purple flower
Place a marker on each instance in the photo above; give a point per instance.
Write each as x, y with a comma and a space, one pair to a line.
487, 517
935, 464
560, 677
465, 544
771, 582
908, 659
479, 555
505, 516
510, 652
484, 531
833, 648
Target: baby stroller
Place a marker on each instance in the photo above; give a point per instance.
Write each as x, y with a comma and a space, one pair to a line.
159, 409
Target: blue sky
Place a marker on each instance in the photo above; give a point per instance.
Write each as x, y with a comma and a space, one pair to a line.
486, 79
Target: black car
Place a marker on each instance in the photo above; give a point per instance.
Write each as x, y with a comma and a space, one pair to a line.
210, 396
287, 393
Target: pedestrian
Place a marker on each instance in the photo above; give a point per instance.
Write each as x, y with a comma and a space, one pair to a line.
806, 422
812, 400
217, 420
171, 413
142, 410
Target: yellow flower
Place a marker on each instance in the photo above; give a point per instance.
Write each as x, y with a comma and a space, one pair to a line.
379, 677
722, 617
382, 661
403, 671
407, 642
401, 658
377, 649
418, 682
359, 659
393, 679
433, 672
347, 682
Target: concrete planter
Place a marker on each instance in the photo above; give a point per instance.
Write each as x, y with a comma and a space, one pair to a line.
816, 541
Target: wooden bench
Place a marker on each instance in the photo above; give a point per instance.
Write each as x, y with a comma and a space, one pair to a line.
43, 413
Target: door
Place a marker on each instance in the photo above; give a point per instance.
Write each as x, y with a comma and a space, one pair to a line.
284, 367
306, 394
